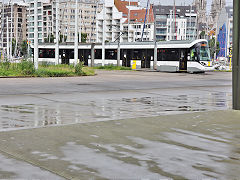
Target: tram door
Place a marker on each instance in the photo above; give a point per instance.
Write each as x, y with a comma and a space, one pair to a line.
144, 61
183, 60
146, 58
83, 55
126, 57
64, 56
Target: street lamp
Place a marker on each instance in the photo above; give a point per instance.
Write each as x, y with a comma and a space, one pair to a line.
76, 35
57, 34
118, 49
36, 34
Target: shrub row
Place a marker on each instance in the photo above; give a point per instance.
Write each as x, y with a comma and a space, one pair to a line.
26, 68
112, 67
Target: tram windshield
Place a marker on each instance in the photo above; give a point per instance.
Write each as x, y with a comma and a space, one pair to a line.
200, 52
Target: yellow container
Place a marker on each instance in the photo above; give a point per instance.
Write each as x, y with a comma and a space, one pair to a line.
134, 64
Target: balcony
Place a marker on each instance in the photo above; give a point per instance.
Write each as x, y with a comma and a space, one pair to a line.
161, 26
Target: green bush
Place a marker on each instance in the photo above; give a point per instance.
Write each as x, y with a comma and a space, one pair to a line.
26, 67
45, 64
5, 65
79, 69
112, 67
43, 72
88, 71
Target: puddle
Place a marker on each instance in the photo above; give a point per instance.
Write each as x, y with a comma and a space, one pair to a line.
57, 113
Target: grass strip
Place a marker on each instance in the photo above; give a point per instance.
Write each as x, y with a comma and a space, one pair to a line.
112, 67
26, 69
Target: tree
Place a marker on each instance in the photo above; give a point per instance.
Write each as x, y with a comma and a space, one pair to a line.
52, 38
13, 45
49, 39
212, 47
61, 38
24, 48
202, 35
83, 37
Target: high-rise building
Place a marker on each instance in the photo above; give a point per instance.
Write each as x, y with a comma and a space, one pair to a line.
141, 25
16, 23
118, 28
109, 22
175, 23
46, 11
47, 20
87, 10
1, 24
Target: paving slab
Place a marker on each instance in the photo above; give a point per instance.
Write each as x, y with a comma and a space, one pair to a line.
203, 145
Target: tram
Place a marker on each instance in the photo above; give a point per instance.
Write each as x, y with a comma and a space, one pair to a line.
172, 56
184, 56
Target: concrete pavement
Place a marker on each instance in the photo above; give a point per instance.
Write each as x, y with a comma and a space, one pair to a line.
193, 146
111, 95
119, 125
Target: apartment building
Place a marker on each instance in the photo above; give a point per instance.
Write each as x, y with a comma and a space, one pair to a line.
138, 31
141, 23
109, 22
118, 28
16, 22
46, 11
1, 24
87, 10
175, 23
47, 19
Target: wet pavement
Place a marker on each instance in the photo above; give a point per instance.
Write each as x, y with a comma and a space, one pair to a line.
109, 108
119, 125
41, 102
203, 145
16, 169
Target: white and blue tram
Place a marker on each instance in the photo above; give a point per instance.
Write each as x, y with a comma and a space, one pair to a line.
172, 56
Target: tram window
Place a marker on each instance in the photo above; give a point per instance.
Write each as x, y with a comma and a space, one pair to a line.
98, 54
41, 53
204, 52
46, 53
193, 55
111, 54
71, 56
168, 55
200, 52
136, 54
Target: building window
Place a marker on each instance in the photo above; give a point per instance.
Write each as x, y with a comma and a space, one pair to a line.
137, 33
158, 16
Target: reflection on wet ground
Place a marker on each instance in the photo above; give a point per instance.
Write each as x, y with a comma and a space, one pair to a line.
14, 169
56, 113
157, 148
172, 157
